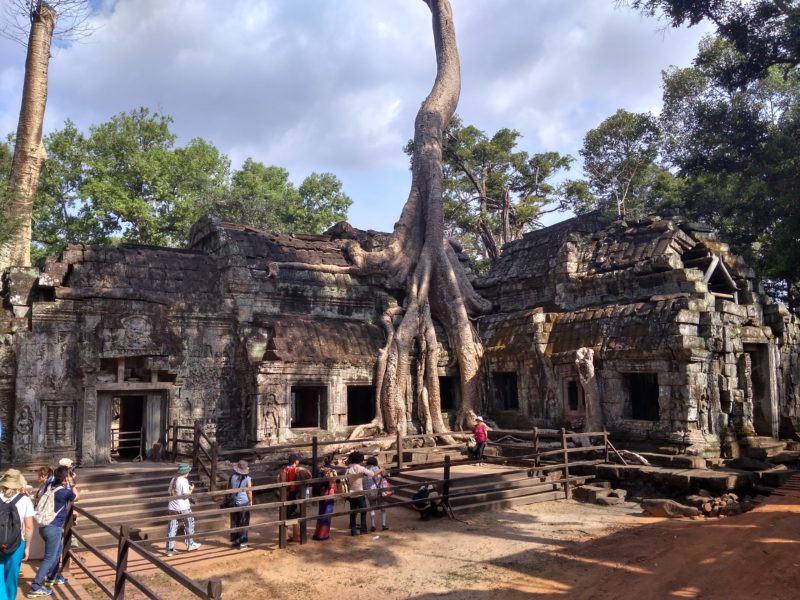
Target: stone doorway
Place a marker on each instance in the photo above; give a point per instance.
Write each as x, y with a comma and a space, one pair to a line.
763, 386
130, 425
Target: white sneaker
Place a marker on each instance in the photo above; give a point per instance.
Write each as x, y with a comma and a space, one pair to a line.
193, 546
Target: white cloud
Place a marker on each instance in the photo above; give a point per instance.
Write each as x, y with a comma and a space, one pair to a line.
334, 85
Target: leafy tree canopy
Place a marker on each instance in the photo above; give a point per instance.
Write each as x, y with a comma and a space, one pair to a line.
127, 180
494, 192
765, 33
624, 177
739, 156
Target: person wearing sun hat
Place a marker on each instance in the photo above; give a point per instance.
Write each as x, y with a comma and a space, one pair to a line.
12, 487
181, 509
240, 478
481, 432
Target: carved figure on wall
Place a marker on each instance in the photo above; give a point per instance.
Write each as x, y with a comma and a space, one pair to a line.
24, 427
584, 364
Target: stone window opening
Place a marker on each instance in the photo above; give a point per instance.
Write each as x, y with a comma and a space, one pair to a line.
642, 390
505, 390
574, 401
360, 404
309, 407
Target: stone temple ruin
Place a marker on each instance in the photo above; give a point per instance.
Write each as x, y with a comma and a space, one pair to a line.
652, 329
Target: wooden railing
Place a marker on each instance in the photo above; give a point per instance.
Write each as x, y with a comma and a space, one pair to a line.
128, 440
205, 452
128, 539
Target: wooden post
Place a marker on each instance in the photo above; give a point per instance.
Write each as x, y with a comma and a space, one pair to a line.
174, 440
282, 517
196, 446
142, 449
399, 451
536, 446
314, 457
122, 562
214, 589
605, 442
303, 523
214, 459
67, 539
446, 480
567, 491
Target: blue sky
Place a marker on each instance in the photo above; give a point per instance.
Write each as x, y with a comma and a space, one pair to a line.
324, 85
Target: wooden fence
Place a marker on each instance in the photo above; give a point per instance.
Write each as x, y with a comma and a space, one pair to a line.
205, 454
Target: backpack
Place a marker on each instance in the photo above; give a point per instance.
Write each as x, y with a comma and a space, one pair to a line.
342, 486
10, 527
46, 507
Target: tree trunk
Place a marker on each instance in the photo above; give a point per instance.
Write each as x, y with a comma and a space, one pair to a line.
419, 260
28, 148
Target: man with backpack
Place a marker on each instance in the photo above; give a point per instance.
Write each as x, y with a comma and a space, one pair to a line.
51, 513
16, 526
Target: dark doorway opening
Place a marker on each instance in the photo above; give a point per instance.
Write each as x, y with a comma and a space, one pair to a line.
505, 389
360, 404
309, 407
643, 395
757, 367
448, 392
129, 432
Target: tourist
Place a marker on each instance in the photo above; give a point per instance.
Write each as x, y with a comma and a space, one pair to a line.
427, 502
355, 474
13, 488
481, 432
326, 489
240, 479
181, 509
374, 493
292, 472
48, 574
44, 477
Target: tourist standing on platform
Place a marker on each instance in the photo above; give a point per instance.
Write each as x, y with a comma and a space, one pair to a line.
181, 509
292, 472
241, 479
355, 474
481, 432
56, 498
326, 489
374, 493
16, 512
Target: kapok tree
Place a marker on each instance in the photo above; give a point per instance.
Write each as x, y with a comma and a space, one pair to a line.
420, 262
33, 24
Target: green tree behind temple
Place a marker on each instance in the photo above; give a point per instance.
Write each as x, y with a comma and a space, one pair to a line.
128, 181
494, 192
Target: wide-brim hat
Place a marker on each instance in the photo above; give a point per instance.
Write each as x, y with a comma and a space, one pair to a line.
12, 480
65, 462
184, 468
479, 419
242, 468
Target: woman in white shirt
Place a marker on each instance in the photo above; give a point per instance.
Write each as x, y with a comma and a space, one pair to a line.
12, 491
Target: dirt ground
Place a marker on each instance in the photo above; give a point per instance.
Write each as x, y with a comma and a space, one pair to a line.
561, 549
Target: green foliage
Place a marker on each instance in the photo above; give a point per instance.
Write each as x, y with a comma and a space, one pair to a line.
620, 161
738, 154
764, 33
6, 157
323, 203
494, 192
127, 181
